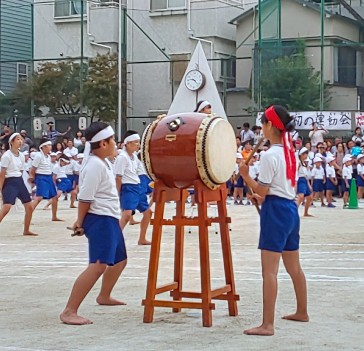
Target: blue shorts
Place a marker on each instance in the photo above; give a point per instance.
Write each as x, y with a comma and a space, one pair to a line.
76, 178
64, 185
359, 181
45, 186
279, 225
318, 185
330, 185
240, 182
105, 239
144, 182
13, 188
302, 187
344, 188
71, 177
133, 197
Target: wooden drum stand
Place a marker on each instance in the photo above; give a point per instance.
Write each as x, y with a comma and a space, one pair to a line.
203, 195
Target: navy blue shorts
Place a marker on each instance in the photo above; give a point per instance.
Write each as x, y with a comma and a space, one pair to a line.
13, 188
318, 185
133, 197
344, 188
76, 178
279, 225
239, 182
105, 239
330, 185
303, 187
144, 182
45, 186
64, 185
359, 181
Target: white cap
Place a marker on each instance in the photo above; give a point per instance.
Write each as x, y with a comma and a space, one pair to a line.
53, 154
346, 158
317, 159
321, 156
330, 158
80, 156
59, 153
302, 151
239, 155
359, 156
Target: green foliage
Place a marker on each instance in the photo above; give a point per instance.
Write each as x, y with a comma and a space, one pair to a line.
291, 81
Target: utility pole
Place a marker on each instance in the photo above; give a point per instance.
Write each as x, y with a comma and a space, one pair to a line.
322, 96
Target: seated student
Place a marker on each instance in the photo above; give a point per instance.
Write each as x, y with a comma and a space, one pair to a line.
132, 194
347, 175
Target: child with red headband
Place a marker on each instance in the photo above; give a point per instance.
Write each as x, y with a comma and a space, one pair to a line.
279, 221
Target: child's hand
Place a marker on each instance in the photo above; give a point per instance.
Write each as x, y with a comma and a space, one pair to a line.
243, 169
256, 199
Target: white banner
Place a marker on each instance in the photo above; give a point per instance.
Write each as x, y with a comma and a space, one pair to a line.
329, 120
359, 119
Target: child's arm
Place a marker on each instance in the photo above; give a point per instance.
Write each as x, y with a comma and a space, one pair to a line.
118, 183
324, 180
256, 187
2, 177
83, 208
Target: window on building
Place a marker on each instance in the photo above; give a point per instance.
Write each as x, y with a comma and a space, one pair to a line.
228, 68
22, 72
345, 65
67, 8
167, 4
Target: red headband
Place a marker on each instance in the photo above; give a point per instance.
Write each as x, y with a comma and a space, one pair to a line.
289, 155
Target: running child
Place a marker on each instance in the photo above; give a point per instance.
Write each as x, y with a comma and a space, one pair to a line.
331, 180
41, 173
279, 220
98, 216
132, 194
12, 184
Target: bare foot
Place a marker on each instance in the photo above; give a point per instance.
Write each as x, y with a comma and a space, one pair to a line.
144, 242
109, 301
308, 215
133, 222
30, 233
298, 317
45, 208
73, 319
262, 331
57, 220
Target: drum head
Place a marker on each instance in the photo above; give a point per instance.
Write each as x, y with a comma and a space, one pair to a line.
216, 155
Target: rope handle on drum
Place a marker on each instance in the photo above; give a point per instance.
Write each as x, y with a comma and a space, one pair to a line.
250, 190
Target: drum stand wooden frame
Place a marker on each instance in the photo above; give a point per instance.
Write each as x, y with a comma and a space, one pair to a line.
203, 195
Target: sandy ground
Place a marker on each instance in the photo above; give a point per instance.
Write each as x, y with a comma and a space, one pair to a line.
37, 273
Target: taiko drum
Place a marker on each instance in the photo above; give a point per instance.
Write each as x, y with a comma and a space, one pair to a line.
181, 148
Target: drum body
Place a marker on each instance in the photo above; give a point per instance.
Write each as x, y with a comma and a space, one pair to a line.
182, 148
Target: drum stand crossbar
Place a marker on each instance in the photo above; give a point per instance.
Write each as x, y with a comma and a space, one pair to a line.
203, 195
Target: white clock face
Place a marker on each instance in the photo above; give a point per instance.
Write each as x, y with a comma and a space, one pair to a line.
194, 80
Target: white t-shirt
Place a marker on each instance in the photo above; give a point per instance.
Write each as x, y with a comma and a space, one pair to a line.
360, 169
318, 173
15, 165
302, 171
246, 135
253, 171
316, 136
356, 138
77, 142
330, 172
97, 186
42, 163
77, 167
273, 173
70, 152
127, 167
70, 167
347, 172
59, 171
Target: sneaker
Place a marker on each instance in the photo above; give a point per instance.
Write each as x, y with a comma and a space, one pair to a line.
248, 203
241, 203
236, 202
333, 200
331, 206
323, 205
346, 206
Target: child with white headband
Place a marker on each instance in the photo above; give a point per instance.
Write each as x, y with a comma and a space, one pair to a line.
12, 185
132, 192
98, 216
41, 173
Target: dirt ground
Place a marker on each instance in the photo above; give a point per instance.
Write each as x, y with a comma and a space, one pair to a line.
37, 273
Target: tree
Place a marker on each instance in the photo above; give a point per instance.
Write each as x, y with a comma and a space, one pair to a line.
101, 88
291, 81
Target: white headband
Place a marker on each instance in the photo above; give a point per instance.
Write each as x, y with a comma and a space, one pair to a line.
45, 144
103, 134
64, 160
132, 137
13, 136
203, 105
